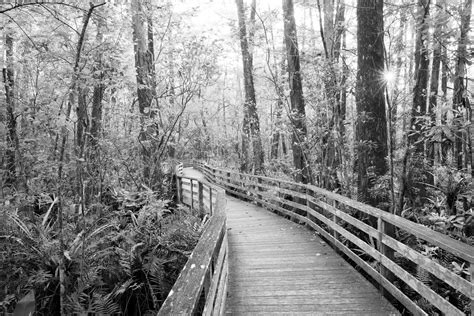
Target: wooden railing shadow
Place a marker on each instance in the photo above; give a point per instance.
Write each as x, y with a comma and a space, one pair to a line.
202, 284
368, 237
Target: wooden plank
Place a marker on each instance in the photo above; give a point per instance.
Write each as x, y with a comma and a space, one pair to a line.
399, 295
341, 291
216, 277
433, 297
282, 270
425, 291
308, 300
283, 211
429, 265
184, 295
471, 274
313, 309
460, 249
346, 217
222, 288
286, 191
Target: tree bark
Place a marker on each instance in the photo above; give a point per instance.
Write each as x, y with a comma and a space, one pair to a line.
433, 147
418, 121
444, 90
371, 123
252, 26
251, 123
12, 135
99, 88
144, 76
143, 58
298, 114
95, 179
415, 154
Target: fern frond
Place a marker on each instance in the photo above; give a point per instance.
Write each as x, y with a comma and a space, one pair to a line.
21, 225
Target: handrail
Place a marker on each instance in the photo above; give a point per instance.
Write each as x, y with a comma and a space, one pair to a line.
202, 284
340, 221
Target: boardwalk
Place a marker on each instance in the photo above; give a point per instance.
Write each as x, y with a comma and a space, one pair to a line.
279, 267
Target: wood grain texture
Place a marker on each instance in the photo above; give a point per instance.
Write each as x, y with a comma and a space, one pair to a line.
279, 267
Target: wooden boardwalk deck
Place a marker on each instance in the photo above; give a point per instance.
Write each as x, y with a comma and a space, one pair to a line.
279, 267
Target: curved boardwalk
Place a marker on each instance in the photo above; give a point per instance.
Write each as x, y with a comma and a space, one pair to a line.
279, 267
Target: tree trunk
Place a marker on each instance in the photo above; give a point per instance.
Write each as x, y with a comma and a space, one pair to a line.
460, 100
445, 145
99, 88
421, 80
95, 180
297, 115
252, 25
415, 154
251, 123
12, 135
331, 34
144, 76
82, 119
433, 147
371, 123
171, 88
278, 74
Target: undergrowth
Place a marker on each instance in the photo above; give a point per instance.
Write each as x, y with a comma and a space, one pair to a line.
121, 257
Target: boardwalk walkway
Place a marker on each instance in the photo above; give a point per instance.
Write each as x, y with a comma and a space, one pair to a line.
279, 267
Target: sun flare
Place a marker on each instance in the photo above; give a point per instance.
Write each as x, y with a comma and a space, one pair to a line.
388, 76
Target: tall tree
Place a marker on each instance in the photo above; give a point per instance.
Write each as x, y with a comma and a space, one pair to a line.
145, 81
331, 20
415, 153
460, 100
12, 135
438, 42
421, 79
371, 123
251, 122
297, 111
278, 77
95, 133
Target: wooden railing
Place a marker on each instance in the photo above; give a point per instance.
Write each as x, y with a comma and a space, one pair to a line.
202, 285
179, 169
371, 238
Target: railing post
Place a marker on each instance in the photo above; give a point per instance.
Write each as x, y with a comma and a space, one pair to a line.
384, 228
259, 189
200, 197
308, 207
471, 271
192, 194
381, 230
179, 188
279, 192
278, 196
334, 219
210, 201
